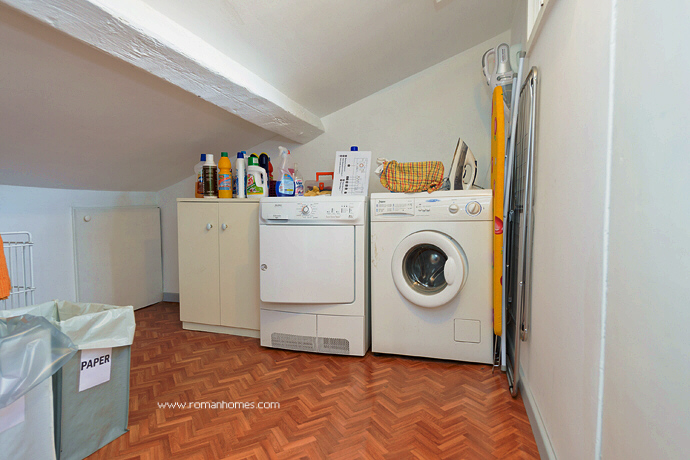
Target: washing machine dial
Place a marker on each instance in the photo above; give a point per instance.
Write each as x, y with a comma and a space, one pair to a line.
453, 208
306, 210
473, 208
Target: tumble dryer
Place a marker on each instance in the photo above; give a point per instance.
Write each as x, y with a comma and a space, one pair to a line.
431, 274
313, 278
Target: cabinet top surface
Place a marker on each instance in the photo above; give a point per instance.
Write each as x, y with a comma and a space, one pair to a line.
219, 200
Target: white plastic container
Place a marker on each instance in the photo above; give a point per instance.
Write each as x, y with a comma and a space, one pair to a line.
199, 184
241, 168
257, 180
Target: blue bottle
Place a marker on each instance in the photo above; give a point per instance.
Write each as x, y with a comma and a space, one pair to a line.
285, 186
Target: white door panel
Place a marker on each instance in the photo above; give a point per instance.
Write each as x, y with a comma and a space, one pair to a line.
118, 255
307, 264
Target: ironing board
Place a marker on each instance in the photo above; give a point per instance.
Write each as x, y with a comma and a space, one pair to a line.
498, 147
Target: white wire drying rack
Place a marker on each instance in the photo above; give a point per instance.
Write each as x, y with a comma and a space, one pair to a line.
18, 248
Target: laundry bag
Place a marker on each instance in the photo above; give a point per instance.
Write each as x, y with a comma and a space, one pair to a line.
89, 419
424, 176
31, 351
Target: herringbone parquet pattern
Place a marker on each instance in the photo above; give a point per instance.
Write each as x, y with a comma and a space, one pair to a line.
377, 407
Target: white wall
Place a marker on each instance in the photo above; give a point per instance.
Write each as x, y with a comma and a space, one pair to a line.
167, 201
518, 27
611, 231
560, 361
47, 214
647, 361
417, 119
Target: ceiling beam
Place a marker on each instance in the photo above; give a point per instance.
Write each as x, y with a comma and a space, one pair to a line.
136, 33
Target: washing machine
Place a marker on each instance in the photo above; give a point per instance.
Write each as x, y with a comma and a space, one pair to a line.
431, 274
314, 274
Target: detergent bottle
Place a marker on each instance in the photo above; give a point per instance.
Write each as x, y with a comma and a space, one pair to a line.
210, 173
224, 176
285, 186
299, 183
241, 178
199, 184
257, 180
263, 162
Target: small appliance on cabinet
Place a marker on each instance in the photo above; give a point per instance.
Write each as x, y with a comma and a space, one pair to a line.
314, 274
431, 274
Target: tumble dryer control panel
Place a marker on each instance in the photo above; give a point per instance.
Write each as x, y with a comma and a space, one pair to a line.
437, 206
300, 211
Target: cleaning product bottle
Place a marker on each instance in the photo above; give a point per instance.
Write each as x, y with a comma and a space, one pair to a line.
199, 183
241, 168
285, 185
224, 176
210, 173
263, 162
257, 180
299, 183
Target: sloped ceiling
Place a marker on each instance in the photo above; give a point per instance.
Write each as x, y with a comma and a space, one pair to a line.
73, 116
326, 55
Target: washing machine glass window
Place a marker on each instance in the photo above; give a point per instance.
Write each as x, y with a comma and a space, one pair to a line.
423, 269
429, 268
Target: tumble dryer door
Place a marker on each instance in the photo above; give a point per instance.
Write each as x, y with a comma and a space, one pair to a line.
429, 268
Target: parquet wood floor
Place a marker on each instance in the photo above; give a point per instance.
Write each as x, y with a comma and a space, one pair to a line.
337, 407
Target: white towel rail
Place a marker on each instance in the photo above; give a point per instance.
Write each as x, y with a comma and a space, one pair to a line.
18, 248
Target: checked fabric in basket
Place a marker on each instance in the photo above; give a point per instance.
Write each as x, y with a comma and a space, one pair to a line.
424, 176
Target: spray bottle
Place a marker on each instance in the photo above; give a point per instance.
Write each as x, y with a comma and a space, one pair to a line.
285, 185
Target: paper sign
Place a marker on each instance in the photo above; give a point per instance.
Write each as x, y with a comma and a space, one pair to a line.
351, 173
94, 367
12, 415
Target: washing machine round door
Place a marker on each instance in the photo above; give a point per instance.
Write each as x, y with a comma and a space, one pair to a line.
429, 268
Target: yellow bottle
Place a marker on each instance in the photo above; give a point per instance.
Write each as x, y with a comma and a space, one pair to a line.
224, 176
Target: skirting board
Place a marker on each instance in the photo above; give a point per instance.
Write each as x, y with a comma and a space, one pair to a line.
220, 329
171, 297
541, 437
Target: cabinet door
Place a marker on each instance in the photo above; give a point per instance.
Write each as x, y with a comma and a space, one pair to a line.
198, 261
239, 264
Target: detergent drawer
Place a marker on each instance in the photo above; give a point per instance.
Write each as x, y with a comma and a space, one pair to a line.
303, 264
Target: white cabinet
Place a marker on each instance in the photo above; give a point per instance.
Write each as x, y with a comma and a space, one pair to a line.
218, 245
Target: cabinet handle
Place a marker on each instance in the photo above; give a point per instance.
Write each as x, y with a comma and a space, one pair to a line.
224, 226
209, 226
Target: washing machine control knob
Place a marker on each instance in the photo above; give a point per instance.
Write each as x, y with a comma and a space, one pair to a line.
305, 210
453, 208
473, 208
